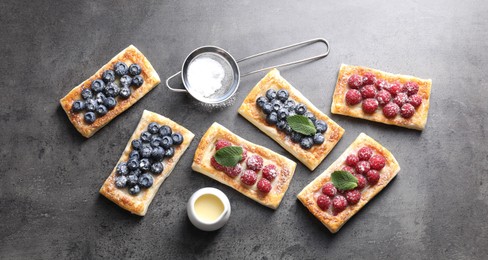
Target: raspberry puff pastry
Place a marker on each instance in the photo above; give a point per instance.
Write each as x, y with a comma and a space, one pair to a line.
273, 90
372, 165
138, 203
261, 175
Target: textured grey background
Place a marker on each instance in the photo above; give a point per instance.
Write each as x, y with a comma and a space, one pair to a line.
436, 208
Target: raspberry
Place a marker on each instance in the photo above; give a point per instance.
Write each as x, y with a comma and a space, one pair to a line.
353, 196
233, 171
244, 155
381, 84
368, 78
370, 105
353, 97
270, 172
216, 165
255, 162
368, 91
412, 88
329, 189
352, 159
355, 81
264, 185
394, 88
415, 100
407, 110
383, 97
348, 169
391, 110
363, 167
249, 177
373, 177
400, 99
377, 162
365, 153
339, 203
361, 181
323, 202
221, 143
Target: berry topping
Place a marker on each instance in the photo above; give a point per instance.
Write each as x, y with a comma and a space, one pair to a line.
377, 162
86, 93
310, 116
394, 88
121, 181
415, 100
136, 144
166, 142
108, 76
157, 153
368, 91
125, 81
355, 81
110, 102
121, 68
369, 105
249, 177
78, 106
373, 176
391, 110
296, 137
400, 99
281, 125
283, 113
134, 190
100, 98
144, 164
165, 130
137, 81
329, 189
407, 110
365, 153
177, 138
260, 101
300, 109
267, 108
318, 138
111, 90
272, 118
362, 167
133, 164
383, 97
353, 196
276, 104
90, 117
271, 94
255, 162
361, 181
352, 160
125, 93
122, 169
97, 85
244, 155
134, 154
153, 128
381, 84
233, 171
145, 137
132, 179
221, 143
412, 88
368, 78
306, 143
101, 110
270, 172
264, 185
145, 180
91, 105
353, 97
216, 165
348, 169
134, 69
323, 202
282, 95
339, 203
321, 126
169, 152
157, 168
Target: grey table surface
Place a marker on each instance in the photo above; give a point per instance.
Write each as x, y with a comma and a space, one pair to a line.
50, 208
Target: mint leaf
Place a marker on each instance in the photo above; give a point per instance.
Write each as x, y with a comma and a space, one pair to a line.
229, 156
344, 180
301, 124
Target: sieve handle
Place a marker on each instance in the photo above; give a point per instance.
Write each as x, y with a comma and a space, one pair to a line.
174, 89
312, 41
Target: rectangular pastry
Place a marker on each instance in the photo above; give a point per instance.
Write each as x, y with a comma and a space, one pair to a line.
115, 87
367, 164
148, 159
383, 97
269, 105
259, 173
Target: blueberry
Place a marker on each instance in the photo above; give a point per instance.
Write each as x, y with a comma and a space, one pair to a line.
271, 94
146, 137
125, 81
157, 168
145, 164
101, 110
296, 137
158, 153
145, 180
108, 76
90, 117
125, 93
134, 155
121, 181
166, 142
291, 112
300, 109
78, 106
165, 130
111, 90
153, 128
122, 169
110, 103
310, 116
132, 179
137, 172
281, 125
276, 104
121, 68
272, 118
133, 164
177, 138
136, 144
169, 152
306, 142
282, 95
97, 85
155, 141
321, 126
288, 130
260, 101
134, 190
100, 98
91, 105
137, 81
267, 108
289, 104
134, 69
86, 93
283, 113
146, 151
318, 138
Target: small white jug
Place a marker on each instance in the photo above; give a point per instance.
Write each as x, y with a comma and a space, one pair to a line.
203, 224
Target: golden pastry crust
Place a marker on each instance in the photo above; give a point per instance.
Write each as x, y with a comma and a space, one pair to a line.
138, 204
129, 55
309, 194
206, 149
339, 106
312, 157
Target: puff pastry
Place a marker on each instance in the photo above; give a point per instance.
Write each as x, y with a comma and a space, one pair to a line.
339, 106
206, 149
309, 194
139, 203
312, 157
129, 55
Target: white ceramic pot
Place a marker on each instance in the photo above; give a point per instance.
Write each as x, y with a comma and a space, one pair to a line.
202, 223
